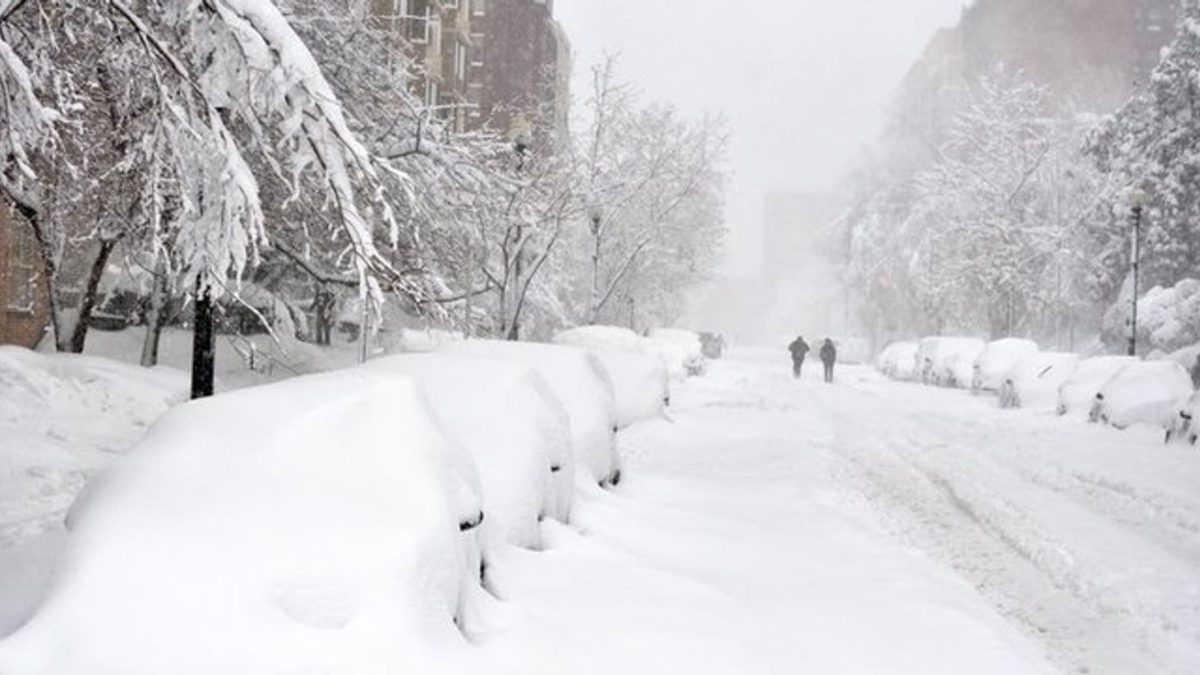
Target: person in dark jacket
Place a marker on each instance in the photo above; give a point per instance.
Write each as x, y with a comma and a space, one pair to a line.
1196, 373
799, 349
829, 358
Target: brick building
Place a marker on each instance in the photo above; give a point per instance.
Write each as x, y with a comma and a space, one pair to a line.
522, 68
23, 307
501, 64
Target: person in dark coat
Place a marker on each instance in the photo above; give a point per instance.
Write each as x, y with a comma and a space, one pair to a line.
1196, 373
829, 358
799, 349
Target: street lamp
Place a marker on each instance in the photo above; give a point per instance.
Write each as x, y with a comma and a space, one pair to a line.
596, 216
1137, 204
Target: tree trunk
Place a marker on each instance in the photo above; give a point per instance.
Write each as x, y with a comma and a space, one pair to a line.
87, 304
156, 318
203, 344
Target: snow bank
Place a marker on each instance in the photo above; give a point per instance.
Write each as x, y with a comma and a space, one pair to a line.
998, 359
1185, 425
640, 380
898, 360
1078, 392
422, 341
681, 350
948, 361
579, 380
514, 428
280, 529
1146, 392
35, 388
1034, 383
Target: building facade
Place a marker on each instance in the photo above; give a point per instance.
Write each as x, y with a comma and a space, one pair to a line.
23, 306
504, 65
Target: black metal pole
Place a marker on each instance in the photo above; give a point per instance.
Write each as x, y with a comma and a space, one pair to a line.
203, 344
1137, 262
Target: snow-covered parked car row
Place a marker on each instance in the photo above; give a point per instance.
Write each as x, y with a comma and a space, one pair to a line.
297, 519
1120, 391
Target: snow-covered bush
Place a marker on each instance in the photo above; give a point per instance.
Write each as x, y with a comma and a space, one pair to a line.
1168, 318
278, 529
996, 361
585, 388
1146, 392
1034, 383
948, 361
521, 448
1078, 392
898, 360
681, 350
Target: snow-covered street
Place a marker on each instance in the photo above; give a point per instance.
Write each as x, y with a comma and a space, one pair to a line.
780, 526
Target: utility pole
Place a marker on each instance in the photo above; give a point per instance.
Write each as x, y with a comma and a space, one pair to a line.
1137, 200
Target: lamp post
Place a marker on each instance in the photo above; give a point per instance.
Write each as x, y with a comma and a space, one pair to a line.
596, 216
1137, 204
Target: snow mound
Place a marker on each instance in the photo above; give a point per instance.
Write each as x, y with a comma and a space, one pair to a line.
948, 361
279, 529
1146, 392
35, 388
998, 359
898, 360
421, 341
1034, 383
1078, 392
681, 350
581, 383
640, 380
514, 428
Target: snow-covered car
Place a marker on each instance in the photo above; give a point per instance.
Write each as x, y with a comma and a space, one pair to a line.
1185, 425
1034, 383
997, 360
579, 380
898, 360
323, 520
852, 351
948, 361
641, 385
1078, 392
522, 449
681, 351
1146, 392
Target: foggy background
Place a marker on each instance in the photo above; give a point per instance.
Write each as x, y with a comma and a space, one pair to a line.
804, 84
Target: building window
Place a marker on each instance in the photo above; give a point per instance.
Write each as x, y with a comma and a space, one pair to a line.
431, 93
417, 20
22, 271
460, 65
478, 8
450, 4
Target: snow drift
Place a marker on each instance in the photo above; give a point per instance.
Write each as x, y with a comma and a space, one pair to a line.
515, 429
581, 383
273, 530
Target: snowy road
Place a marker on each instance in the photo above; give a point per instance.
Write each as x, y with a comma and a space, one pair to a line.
777, 526
872, 527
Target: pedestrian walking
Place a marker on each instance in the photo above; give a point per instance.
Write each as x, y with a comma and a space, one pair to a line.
1196, 373
799, 349
829, 358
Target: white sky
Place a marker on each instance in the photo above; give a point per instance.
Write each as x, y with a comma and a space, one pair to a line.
803, 83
